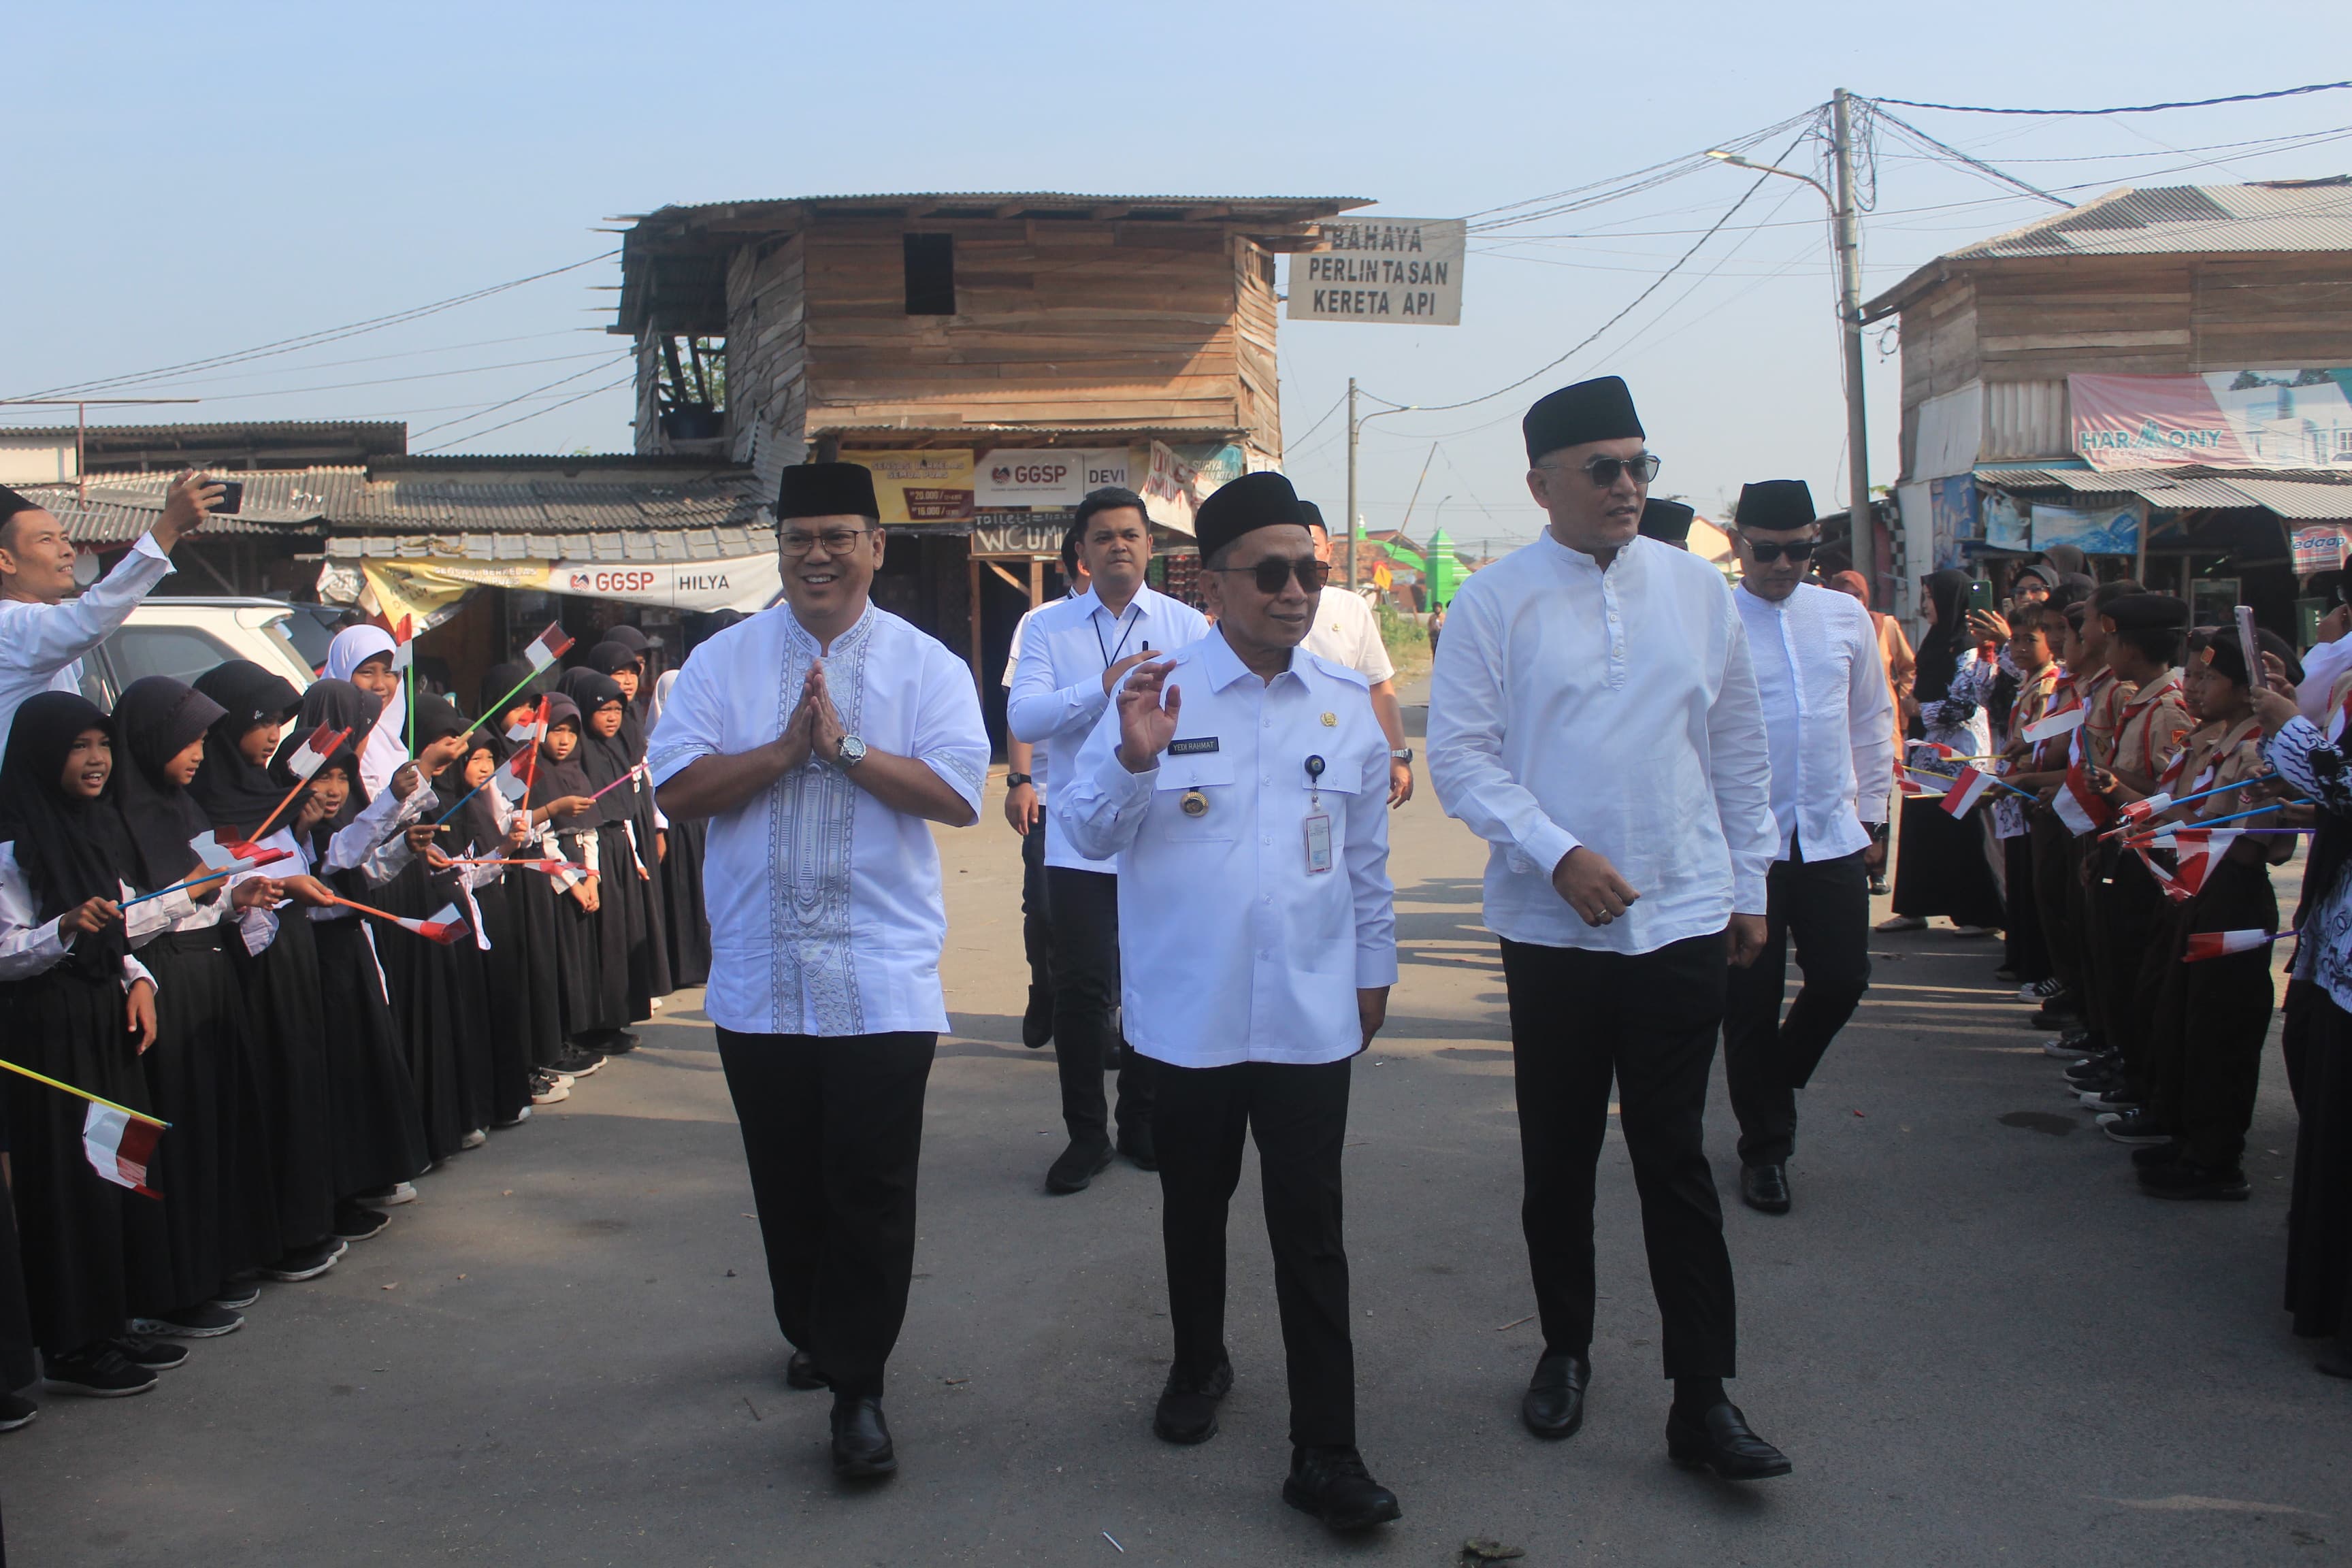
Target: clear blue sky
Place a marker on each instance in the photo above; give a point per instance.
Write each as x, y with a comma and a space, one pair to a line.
186, 182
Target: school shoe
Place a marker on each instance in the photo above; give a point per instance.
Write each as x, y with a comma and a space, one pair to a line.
238, 1295
475, 1139
2136, 1128
1720, 1441
1333, 1485
2006, 975
861, 1439
1878, 888
2042, 990
2059, 1012
2116, 1099
1080, 1164
1553, 1405
15, 1411
357, 1222
2068, 1045
1187, 1412
1959, 930
1037, 1018
95, 1372
1135, 1143
153, 1355
801, 1371
392, 1197
548, 1090
1902, 922
2185, 1178
306, 1263
2158, 1154
202, 1322
576, 1063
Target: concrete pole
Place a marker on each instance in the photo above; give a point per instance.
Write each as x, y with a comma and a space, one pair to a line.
1351, 484
1857, 430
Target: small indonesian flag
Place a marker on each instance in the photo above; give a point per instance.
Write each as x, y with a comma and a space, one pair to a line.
403, 644
119, 1146
315, 748
513, 779
2081, 808
2205, 944
552, 868
1969, 786
2049, 726
445, 927
547, 648
2200, 850
1906, 783
2138, 811
2162, 877
231, 855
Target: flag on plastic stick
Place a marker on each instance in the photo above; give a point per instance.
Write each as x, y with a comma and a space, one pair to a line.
2163, 879
446, 926
1906, 783
231, 853
2049, 726
2134, 813
547, 648
2205, 944
2081, 808
403, 644
1969, 786
512, 778
119, 1145
2201, 849
315, 748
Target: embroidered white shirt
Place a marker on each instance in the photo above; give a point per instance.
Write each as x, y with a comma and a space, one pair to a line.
41, 644
1231, 950
1573, 705
826, 915
1828, 714
1058, 691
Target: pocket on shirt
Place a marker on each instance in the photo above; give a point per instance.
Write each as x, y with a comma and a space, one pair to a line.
1213, 776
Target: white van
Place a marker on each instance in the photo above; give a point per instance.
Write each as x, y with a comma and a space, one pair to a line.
185, 637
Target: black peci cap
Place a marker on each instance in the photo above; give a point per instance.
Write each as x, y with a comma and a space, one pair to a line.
1600, 409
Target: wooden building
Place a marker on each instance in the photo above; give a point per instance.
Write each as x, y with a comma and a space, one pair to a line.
2151, 283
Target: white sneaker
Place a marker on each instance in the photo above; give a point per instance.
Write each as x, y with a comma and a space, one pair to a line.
475, 1139
399, 1193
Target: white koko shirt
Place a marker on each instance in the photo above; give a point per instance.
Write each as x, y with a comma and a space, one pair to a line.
1828, 714
1058, 691
825, 910
1346, 632
1571, 705
41, 644
1231, 950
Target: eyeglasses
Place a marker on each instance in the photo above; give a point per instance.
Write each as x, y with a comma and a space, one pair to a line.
1795, 549
792, 543
1276, 570
1604, 471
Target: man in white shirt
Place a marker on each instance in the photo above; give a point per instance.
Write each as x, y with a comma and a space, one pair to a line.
1072, 658
1347, 632
42, 635
1024, 811
1593, 716
1241, 784
822, 738
1829, 717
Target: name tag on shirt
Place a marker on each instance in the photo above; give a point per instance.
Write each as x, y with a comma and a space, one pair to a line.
1318, 842
1192, 748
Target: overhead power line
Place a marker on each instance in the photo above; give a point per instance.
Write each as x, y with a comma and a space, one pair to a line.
2129, 108
1919, 138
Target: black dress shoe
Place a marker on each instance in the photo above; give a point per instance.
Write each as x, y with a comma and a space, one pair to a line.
861, 1440
1188, 1405
1721, 1442
1037, 1022
1080, 1164
800, 1371
1553, 1405
1135, 1143
1333, 1485
2185, 1178
1765, 1188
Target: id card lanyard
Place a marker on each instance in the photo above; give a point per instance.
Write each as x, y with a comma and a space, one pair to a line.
1318, 821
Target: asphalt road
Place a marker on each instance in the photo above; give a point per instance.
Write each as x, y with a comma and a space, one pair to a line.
1976, 1339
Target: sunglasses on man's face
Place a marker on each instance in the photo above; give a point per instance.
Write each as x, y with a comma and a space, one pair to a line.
1605, 471
1276, 570
1794, 549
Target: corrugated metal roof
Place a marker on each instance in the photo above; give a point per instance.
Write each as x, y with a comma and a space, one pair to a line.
2026, 476
684, 544
2292, 496
2164, 220
2302, 500
1051, 201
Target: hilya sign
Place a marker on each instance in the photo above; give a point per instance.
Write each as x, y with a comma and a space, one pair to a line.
1399, 270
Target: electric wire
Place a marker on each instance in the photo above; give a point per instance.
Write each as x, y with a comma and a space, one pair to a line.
2130, 109
581, 397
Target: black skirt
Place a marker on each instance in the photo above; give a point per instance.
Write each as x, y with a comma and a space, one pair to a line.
686, 923
205, 1076
2319, 1222
508, 996
594, 994
531, 899
379, 1132
440, 1011
282, 999
1944, 866
623, 963
93, 1253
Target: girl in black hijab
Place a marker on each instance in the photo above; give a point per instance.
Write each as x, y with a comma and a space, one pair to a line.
647, 830
277, 961
79, 1009
624, 890
206, 1073
486, 827
378, 1139
594, 1008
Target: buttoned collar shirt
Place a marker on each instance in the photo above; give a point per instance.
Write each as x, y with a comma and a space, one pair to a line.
826, 916
1829, 714
1231, 947
1572, 704
1038, 764
1058, 691
41, 644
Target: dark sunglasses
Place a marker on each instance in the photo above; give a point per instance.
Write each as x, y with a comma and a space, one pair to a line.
1795, 550
1605, 471
1276, 570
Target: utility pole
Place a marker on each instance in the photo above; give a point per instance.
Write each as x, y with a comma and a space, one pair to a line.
1857, 428
1352, 432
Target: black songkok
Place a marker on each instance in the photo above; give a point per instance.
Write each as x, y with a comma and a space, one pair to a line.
1668, 520
1600, 409
1776, 505
1257, 500
1312, 516
11, 503
827, 489
2147, 613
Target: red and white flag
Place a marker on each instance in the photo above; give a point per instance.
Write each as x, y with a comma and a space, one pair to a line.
513, 779
1969, 786
403, 645
119, 1145
445, 927
2049, 726
2205, 944
2135, 812
2081, 808
547, 648
1906, 783
232, 854
315, 748
2201, 849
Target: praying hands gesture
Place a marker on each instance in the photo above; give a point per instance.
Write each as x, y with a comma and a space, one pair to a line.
1146, 725
814, 728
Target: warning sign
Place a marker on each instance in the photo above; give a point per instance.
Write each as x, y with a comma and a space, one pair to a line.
1405, 271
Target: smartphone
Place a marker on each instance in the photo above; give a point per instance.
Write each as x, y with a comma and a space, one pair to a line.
1979, 593
2251, 645
232, 498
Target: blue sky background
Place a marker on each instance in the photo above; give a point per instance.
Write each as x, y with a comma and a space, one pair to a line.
190, 181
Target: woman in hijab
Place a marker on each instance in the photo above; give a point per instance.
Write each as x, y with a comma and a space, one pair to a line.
488, 827
620, 930
566, 923
378, 1135
1943, 866
80, 1008
648, 835
362, 655
276, 960
206, 1073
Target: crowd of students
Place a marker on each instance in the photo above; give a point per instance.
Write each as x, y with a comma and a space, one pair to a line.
311, 1049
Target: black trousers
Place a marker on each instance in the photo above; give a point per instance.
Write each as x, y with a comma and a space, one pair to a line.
1036, 913
833, 1129
1580, 1019
2211, 1020
1084, 907
2128, 909
2028, 954
1825, 905
2053, 908
1299, 1115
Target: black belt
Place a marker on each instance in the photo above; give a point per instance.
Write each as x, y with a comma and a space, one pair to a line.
206, 938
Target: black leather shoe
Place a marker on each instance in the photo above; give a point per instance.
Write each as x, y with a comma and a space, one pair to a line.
861, 1440
1135, 1143
2185, 1178
1333, 1485
800, 1371
1080, 1164
1553, 1405
1765, 1188
1188, 1405
1721, 1442
1037, 1022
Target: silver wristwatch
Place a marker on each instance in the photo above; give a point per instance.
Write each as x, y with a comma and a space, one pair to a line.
1403, 754
849, 754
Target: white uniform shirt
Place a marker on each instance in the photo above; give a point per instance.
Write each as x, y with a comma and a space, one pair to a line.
1570, 705
28, 944
1058, 691
41, 644
1230, 949
1827, 712
1347, 632
826, 916
1012, 666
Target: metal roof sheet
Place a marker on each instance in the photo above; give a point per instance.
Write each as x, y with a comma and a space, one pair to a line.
683, 544
2302, 500
2161, 220
1051, 201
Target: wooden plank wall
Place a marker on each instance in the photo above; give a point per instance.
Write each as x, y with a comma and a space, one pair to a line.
767, 358
2273, 312
1255, 319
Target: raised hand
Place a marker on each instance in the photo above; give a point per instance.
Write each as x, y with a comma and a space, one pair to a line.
1117, 672
89, 917
826, 730
1146, 723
